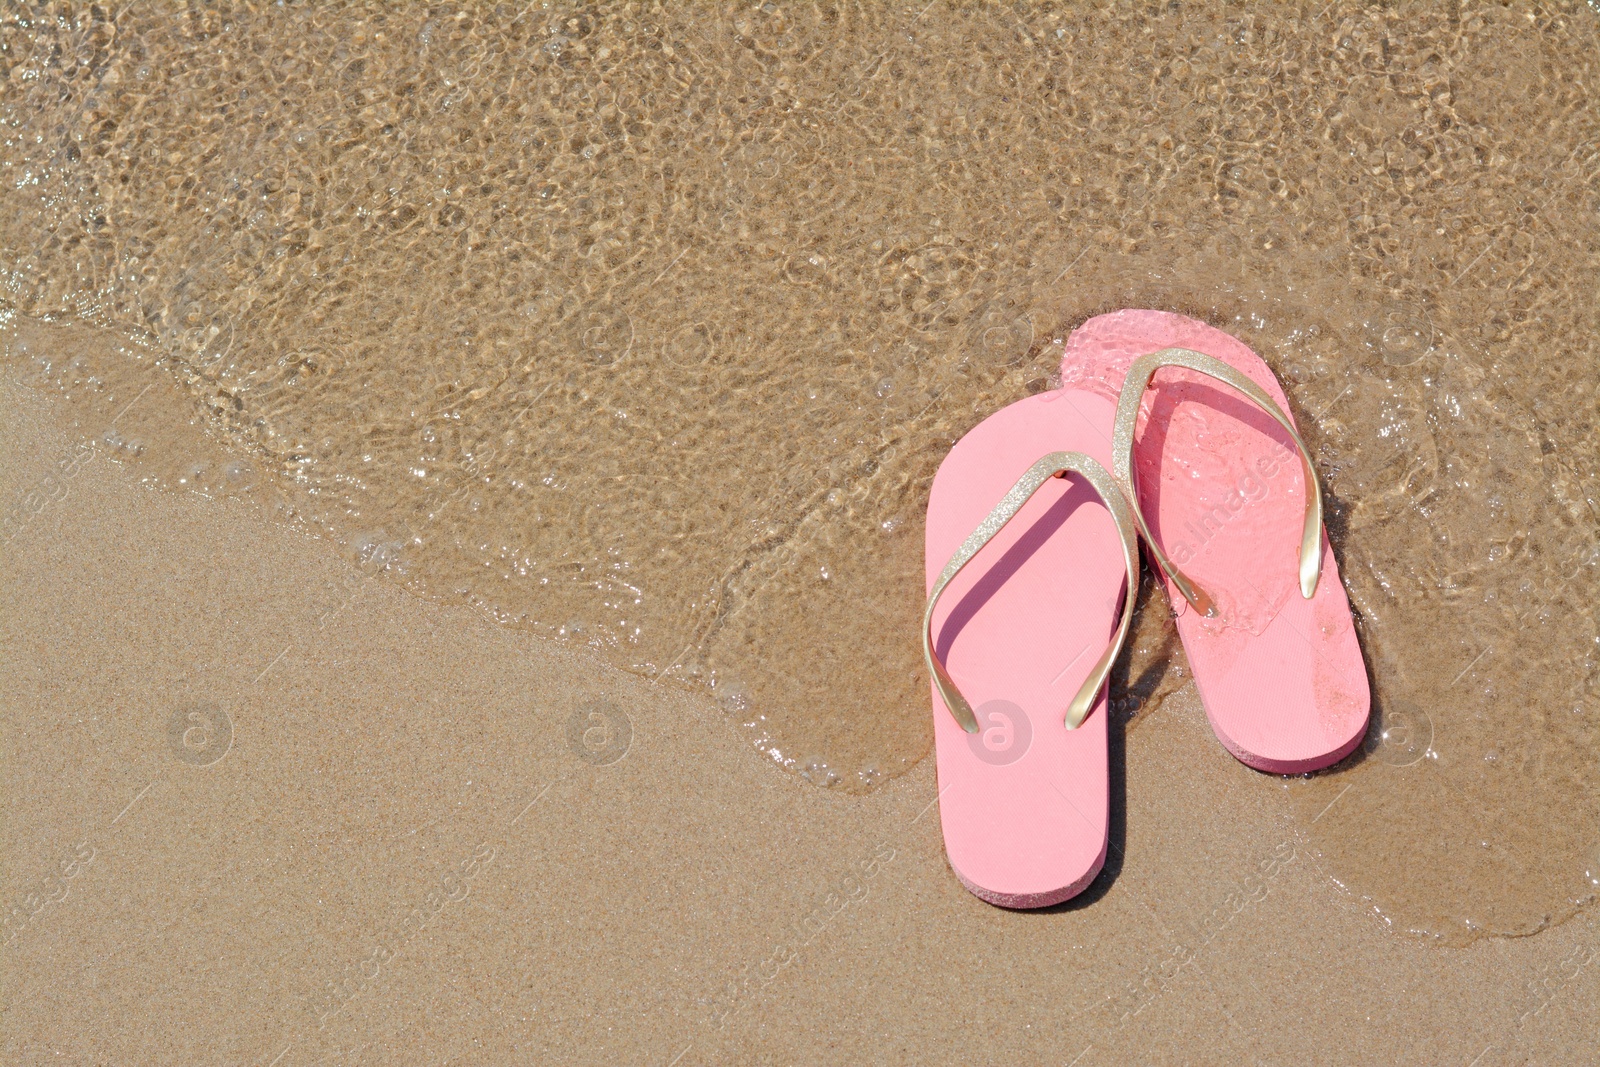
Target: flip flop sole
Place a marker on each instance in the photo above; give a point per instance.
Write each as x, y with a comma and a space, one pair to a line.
1282, 677
1024, 802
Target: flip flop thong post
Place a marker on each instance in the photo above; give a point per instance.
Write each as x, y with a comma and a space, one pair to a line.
1031, 558
1227, 498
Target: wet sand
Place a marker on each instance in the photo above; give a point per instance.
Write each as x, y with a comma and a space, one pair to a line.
645, 332
629, 341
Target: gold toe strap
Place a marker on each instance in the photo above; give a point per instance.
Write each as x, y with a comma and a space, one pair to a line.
1133, 389
1054, 465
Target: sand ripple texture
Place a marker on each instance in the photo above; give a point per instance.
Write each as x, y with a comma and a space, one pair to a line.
645, 327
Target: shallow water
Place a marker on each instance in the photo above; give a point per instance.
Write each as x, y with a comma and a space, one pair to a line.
648, 330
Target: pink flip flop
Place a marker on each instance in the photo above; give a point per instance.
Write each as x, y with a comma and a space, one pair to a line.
1031, 559
1228, 500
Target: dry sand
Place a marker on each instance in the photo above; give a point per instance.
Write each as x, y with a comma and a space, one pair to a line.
409, 853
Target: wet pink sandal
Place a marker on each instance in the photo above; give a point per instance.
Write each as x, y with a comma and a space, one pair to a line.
1225, 493
1028, 573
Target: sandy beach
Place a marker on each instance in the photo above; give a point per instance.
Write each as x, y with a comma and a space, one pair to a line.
645, 894
463, 480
